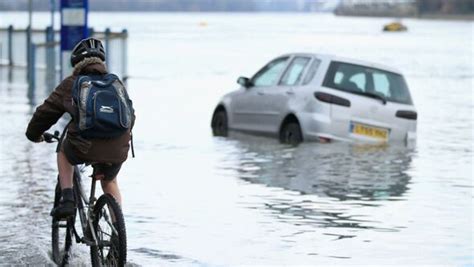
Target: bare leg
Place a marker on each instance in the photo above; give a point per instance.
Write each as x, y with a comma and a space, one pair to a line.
66, 171
111, 187
66, 205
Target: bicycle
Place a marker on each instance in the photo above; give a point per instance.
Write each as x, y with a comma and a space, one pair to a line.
102, 223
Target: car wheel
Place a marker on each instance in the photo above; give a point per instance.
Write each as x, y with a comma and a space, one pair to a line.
291, 134
219, 123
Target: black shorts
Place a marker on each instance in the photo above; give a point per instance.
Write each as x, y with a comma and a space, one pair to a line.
109, 170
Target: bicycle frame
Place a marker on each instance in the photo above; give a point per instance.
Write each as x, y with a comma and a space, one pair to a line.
86, 208
86, 217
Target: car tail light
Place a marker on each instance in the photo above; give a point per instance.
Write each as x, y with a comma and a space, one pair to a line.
407, 114
332, 99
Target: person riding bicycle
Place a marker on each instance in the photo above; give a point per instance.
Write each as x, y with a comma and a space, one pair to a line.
105, 155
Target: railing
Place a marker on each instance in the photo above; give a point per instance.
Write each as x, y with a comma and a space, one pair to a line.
42, 54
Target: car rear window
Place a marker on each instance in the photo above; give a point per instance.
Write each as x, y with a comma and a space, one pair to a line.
359, 79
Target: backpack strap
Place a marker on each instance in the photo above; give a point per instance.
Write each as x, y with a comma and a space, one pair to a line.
131, 142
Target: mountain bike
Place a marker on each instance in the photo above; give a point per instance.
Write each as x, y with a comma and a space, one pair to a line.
101, 221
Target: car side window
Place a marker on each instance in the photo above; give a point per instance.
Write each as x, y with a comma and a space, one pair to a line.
312, 71
269, 75
294, 72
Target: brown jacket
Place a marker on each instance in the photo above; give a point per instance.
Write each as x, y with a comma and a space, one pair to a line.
89, 150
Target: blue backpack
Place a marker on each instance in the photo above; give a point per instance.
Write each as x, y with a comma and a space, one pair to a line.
103, 108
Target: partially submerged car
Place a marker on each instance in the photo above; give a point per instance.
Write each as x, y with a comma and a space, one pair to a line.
315, 97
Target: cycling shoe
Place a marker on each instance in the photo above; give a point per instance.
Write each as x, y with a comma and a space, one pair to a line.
65, 209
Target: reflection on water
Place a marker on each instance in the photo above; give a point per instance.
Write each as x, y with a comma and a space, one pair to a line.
14, 78
342, 171
360, 175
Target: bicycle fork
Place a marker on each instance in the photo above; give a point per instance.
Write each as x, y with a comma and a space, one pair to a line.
90, 214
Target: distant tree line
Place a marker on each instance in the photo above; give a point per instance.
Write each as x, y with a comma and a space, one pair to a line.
445, 6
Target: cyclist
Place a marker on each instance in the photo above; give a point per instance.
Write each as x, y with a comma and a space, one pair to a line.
105, 155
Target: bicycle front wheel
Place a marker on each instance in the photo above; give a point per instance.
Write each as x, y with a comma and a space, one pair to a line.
109, 227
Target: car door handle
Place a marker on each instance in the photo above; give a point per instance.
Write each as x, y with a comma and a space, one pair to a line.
290, 92
260, 93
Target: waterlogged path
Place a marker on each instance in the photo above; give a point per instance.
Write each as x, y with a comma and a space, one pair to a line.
194, 200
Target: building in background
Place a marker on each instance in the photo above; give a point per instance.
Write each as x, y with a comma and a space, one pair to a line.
378, 8
406, 8
447, 7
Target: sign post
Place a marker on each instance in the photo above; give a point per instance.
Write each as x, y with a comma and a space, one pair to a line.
73, 29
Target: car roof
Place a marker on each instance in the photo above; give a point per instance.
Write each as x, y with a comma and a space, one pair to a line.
329, 57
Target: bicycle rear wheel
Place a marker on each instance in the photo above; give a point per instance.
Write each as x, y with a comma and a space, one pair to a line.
109, 227
61, 234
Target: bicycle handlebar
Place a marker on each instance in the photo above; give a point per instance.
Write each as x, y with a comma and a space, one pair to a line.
50, 138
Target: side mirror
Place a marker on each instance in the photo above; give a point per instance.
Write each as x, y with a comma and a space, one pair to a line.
245, 82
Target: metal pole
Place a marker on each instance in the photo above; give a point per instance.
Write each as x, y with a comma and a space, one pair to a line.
52, 4
30, 12
50, 58
107, 46
28, 50
124, 55
10, 45
28, 38
31, 70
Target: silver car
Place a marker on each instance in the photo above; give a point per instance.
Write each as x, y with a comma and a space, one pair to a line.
314, 97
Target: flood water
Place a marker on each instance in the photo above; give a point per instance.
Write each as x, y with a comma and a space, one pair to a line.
191, 199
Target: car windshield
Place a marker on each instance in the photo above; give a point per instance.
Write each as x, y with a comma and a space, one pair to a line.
269, 75
367, 81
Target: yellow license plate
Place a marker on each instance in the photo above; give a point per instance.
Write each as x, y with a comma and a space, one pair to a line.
379, 133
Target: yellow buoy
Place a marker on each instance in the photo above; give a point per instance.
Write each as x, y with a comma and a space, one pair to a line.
394, 27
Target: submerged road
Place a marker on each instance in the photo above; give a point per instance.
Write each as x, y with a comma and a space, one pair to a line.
191, 199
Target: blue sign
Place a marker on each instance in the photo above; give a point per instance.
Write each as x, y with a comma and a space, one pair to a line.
73, 29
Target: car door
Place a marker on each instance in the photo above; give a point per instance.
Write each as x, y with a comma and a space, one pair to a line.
277, 98
242, 108
250, 108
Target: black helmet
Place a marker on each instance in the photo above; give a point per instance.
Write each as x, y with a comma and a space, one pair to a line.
89, 47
